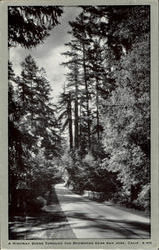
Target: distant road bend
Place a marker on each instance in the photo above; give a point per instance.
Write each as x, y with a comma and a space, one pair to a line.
90, 219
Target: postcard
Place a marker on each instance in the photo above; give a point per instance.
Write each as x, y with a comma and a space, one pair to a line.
79, 124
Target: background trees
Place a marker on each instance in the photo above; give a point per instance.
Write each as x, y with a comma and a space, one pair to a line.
114, 75
34, 132
33, 128
128, 107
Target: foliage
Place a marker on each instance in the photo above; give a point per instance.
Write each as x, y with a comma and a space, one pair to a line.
143, 199
127, 120
33, 128
29, 25
87, 174
34, 136
114, 66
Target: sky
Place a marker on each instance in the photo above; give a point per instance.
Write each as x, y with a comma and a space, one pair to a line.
48, 54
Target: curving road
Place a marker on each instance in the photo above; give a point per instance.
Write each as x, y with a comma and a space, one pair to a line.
90, 219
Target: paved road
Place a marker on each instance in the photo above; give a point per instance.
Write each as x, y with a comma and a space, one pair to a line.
89, 219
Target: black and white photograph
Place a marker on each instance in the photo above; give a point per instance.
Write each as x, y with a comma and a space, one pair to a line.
79, 116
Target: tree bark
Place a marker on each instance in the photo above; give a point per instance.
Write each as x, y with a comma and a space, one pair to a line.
80, 122
70, 121
87, 96
97, 106
76, 140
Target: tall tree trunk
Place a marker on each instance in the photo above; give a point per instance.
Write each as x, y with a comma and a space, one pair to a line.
31, 110
70, 121
87, 96
76, 113
80, 122
97, 106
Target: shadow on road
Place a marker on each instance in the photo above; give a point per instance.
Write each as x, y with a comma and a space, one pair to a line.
124, 229
45, 223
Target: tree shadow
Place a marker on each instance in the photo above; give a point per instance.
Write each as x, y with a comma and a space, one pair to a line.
124, 229
39, 223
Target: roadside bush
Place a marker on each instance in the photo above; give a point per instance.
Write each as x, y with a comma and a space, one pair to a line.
36, 204
143, 200
88, 174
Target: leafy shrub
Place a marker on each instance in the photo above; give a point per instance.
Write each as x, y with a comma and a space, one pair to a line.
143, 200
